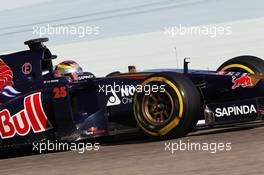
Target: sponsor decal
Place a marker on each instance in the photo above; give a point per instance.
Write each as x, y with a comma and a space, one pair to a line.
94, 130
85, 77
113, 99
32, 117
51, 81
6, 81
235, 110
123, 93
26, 68
10, 92
237, 74
243, 81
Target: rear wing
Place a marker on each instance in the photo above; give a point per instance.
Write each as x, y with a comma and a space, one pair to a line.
30, 64
36, 45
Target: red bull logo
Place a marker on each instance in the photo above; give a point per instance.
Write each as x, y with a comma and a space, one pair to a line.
32, 117
243, 81
6, 81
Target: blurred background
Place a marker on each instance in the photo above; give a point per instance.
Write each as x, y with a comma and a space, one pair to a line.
109, 35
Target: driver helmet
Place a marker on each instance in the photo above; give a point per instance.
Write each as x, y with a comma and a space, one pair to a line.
69, 69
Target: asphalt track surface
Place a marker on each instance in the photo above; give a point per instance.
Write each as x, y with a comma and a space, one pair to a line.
141, 156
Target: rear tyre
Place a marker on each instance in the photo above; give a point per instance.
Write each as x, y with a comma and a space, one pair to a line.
170, 112
247, 64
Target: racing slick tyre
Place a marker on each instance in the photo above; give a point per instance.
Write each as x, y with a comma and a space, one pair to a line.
248, 64
171, 111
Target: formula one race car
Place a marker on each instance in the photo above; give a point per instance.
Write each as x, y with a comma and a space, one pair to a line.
165, 103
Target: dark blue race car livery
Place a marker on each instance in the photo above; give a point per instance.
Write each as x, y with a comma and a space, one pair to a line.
163, 103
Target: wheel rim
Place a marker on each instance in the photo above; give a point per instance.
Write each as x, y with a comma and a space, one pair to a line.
174, 119
158, 107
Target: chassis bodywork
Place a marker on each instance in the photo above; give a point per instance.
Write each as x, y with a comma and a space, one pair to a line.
39, 106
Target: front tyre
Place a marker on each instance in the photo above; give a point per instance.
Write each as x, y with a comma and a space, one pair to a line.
170, 112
